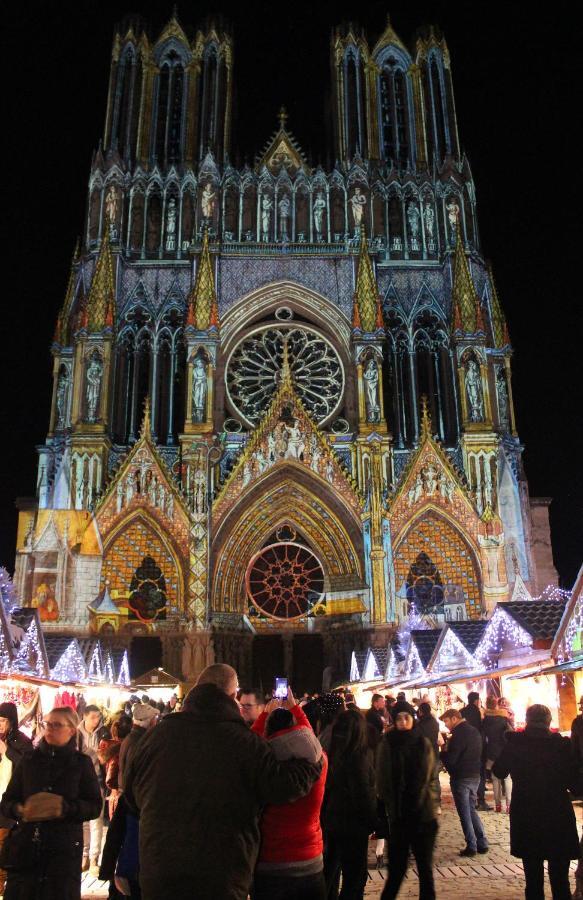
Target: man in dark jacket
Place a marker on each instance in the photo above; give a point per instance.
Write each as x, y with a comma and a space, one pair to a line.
374, 715
542, 821
13, 746
472, 713
199, 782
462, 758
429, 728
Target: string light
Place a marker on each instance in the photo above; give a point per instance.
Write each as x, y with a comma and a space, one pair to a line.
30, 656
501, 627
7, 590
71, 665
354, 670
124, 670
413, 664
449, 652
95, 671
108, 668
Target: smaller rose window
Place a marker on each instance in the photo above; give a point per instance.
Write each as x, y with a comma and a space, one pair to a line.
285, 581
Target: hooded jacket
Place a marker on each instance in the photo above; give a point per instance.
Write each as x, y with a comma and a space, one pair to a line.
543, 771
199, 782
291, 836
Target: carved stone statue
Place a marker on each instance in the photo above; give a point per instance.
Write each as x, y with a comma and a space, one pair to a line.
453, 213
199, 497
296, 443
413, 217
284, 207
430, 475
93, 388
429, 215
199, 380
171, 225
371, 383
207, 201
111, 207
502, 395
358, 202
266, 207
473, 384
319, 208
62, 385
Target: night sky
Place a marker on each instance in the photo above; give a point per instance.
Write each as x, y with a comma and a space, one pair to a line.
516, 79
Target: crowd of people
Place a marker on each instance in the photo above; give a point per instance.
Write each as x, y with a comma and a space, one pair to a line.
242, 796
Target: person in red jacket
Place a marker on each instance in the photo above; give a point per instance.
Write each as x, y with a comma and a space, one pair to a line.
290, 863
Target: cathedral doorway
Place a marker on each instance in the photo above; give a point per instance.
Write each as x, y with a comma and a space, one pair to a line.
298, 657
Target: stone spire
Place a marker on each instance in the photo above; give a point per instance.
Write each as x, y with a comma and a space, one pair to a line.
203, 309
101, 300
367, 304
465, 301
426, 426
499, 326
62, 328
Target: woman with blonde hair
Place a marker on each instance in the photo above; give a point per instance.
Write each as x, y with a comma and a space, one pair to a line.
51, 793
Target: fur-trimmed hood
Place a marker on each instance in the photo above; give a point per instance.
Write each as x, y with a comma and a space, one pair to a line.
296, 742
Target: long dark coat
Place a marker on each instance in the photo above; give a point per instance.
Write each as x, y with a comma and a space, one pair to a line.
199, 780
17, 746
542, 768
53, 849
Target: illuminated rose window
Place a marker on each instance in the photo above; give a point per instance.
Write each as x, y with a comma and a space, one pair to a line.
285, 581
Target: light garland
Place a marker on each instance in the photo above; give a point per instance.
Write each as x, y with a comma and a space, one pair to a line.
70, 666
29, 656
7, 590
124, 670
413, 664
94, 670
500, 627
108, 672
370, 669
354, 670
451, 645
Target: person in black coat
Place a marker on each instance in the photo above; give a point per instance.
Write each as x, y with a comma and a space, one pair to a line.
495, 728
462, 758
199, 781
429, 728
349, 810
542, 821
51, 793
405, 770
472, 713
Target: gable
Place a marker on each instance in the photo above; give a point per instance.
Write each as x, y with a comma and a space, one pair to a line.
286, 437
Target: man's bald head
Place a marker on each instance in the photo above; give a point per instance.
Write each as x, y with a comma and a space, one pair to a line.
222, 676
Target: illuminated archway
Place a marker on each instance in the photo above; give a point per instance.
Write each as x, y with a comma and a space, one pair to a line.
143, 569
433, 561
291, 498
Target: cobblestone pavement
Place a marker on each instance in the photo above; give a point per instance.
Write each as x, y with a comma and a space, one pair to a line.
495, 876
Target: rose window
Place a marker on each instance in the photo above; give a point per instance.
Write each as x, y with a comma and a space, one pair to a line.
285, 581
254, 372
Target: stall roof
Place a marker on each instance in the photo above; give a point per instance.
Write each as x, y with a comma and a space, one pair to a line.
155, 678
540, 618
470, 633
426, 641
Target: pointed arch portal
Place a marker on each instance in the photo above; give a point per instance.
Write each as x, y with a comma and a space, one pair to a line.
289, 499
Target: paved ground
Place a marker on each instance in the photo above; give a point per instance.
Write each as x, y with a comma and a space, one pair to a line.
495, 876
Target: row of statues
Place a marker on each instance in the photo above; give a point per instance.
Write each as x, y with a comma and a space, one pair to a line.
357, 202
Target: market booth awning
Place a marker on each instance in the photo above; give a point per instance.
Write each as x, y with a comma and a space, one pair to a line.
470, 675
571, 665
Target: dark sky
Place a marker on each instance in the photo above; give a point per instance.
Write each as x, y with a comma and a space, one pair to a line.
516, 79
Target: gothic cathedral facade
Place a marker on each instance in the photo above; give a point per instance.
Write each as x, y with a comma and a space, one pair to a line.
282, 400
